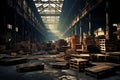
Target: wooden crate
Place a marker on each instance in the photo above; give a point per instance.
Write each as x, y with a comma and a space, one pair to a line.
102, 45
28, 67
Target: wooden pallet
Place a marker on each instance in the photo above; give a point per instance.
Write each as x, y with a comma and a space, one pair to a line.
84, 56
78, 64
114, 65
114, 57
28, 67
60, 60
100, 71
60, 65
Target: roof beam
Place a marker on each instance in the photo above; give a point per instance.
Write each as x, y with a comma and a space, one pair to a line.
50, 14
49, 2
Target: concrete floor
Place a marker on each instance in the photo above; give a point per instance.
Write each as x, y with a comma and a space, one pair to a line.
10, 73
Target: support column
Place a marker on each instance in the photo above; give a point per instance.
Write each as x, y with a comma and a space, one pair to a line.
75, 29
107, 21
80, 32
89, 24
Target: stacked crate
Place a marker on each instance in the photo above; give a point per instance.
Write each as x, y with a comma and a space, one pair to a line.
89, 43
111, 45
107, 45
102, 45
78, 64
74, 41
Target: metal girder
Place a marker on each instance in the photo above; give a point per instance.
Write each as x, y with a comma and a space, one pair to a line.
42, 5
49, 2
90, 6
49, 14
47, 9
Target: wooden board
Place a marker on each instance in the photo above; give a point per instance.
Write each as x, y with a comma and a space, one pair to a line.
114, 65
59, 60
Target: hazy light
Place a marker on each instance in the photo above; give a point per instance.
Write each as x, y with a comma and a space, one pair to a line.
99, 29
16, 29
9, 26
114, 24
52, 5
44, 0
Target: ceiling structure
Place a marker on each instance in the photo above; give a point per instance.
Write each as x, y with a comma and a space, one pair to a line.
50, 11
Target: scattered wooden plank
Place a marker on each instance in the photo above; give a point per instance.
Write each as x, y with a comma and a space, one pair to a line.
100, 71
